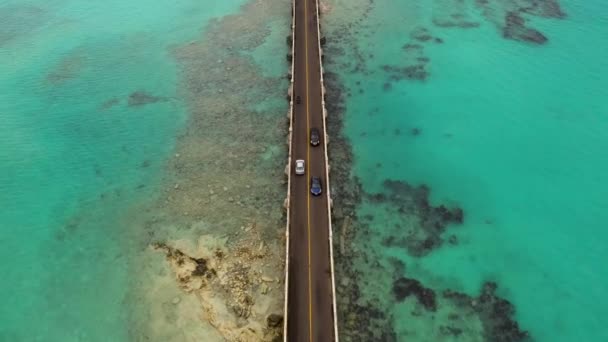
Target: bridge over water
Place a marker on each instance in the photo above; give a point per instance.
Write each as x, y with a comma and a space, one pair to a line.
310, 303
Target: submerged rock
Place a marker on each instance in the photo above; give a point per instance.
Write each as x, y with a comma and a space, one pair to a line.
274, 320
201, 268
188, 266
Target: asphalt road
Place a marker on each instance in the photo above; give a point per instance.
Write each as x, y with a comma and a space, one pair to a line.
310, 314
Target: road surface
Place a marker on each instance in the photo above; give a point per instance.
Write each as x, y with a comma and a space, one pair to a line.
310, 312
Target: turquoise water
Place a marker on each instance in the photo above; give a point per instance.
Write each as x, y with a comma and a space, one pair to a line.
89, 111
511, 132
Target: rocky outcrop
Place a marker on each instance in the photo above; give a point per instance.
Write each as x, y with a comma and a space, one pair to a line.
232, 284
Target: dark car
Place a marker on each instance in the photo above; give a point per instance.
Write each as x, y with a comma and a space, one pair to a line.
298, 100
314, 136
315, 186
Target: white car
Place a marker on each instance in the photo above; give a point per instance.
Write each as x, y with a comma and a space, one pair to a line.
299, 167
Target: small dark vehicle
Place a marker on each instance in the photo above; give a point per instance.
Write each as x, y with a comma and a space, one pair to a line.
298, 100
315, 186
314, 136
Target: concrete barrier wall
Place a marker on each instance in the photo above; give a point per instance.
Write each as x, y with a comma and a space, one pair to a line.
328, 191
288, 170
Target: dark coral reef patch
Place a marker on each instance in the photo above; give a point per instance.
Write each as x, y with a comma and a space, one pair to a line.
509, 17
544, 8
410, 72
109, 103
370, 284
140, 98
421, 34
412, 47
414, 66
405, 287
456, 22
496, 313
515, 28
413, 202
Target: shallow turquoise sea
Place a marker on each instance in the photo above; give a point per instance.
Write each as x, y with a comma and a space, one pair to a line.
513, 133
89, 111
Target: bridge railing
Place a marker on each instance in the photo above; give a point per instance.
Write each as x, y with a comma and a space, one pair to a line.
329, 201
288, 170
